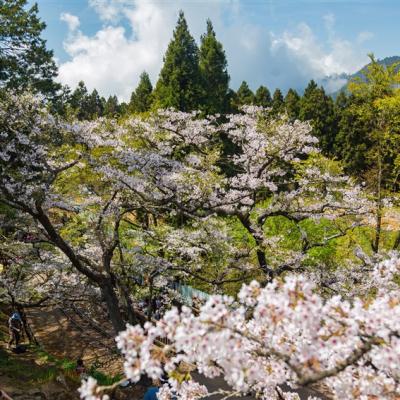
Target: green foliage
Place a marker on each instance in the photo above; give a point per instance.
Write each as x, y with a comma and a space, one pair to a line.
25, 63
141, 98
352, 140
95, 105
179, 83
79, 100
292, 104
317, 107
42, 367
369, 126
25, 370
262, 97
244, 95
104, 379
214, 73
86, 106
111, 107
277, 102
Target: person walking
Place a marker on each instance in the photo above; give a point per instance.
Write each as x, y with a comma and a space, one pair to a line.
15, 329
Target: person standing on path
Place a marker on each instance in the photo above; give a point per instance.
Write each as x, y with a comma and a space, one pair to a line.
15, 329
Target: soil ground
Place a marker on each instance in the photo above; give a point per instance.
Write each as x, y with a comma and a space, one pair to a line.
46, 372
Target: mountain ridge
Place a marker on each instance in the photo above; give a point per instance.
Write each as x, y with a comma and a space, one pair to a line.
346, 78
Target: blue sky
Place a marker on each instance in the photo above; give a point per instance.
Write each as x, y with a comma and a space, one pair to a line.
278, 43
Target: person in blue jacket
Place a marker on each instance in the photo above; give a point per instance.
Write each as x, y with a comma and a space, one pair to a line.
151, 393
15, 329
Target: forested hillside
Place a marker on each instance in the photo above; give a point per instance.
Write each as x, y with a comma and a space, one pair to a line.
238, 239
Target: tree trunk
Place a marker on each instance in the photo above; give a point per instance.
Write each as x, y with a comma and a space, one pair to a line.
378, 206
397, 242
127, 303
150, 305
112, 303
261, 258
26, 326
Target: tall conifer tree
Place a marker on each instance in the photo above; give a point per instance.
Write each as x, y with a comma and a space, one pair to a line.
262, 97
80, 102
292, 104
142, 98
277, 102
111, 107
214, 73
25, 63
179, 83
317, 107
95, 105
244, 95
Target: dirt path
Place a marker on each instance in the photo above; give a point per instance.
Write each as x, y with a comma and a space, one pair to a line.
60, 337
33, 375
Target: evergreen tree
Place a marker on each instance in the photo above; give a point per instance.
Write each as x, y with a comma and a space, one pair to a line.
368, 139
80, 102
179, 85
292, 104
24, 60
369, 135
244, 95
277, 102
95, 106
78, 95
123, 108
232, 101
214, 73
352, 140
142, 98
111, 107
341, 101
317, 107
263, 97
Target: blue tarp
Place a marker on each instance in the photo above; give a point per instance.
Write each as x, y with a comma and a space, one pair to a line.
188, 292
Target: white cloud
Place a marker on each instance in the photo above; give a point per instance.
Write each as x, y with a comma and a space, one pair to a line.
315, 59
109, 10
71, 20
112, 59
329, 20
364, 36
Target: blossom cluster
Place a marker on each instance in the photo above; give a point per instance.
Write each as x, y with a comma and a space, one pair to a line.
283, 333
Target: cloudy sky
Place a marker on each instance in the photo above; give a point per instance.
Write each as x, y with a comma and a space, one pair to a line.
278, 43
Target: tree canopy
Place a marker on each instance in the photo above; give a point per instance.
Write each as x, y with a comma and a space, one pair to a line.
179, 83
25, 63
214, 73
142, 97
280, 213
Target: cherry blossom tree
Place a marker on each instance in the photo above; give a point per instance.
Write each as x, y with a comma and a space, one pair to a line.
116, 206
175, 169
37, 152
114, 198
283, 333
